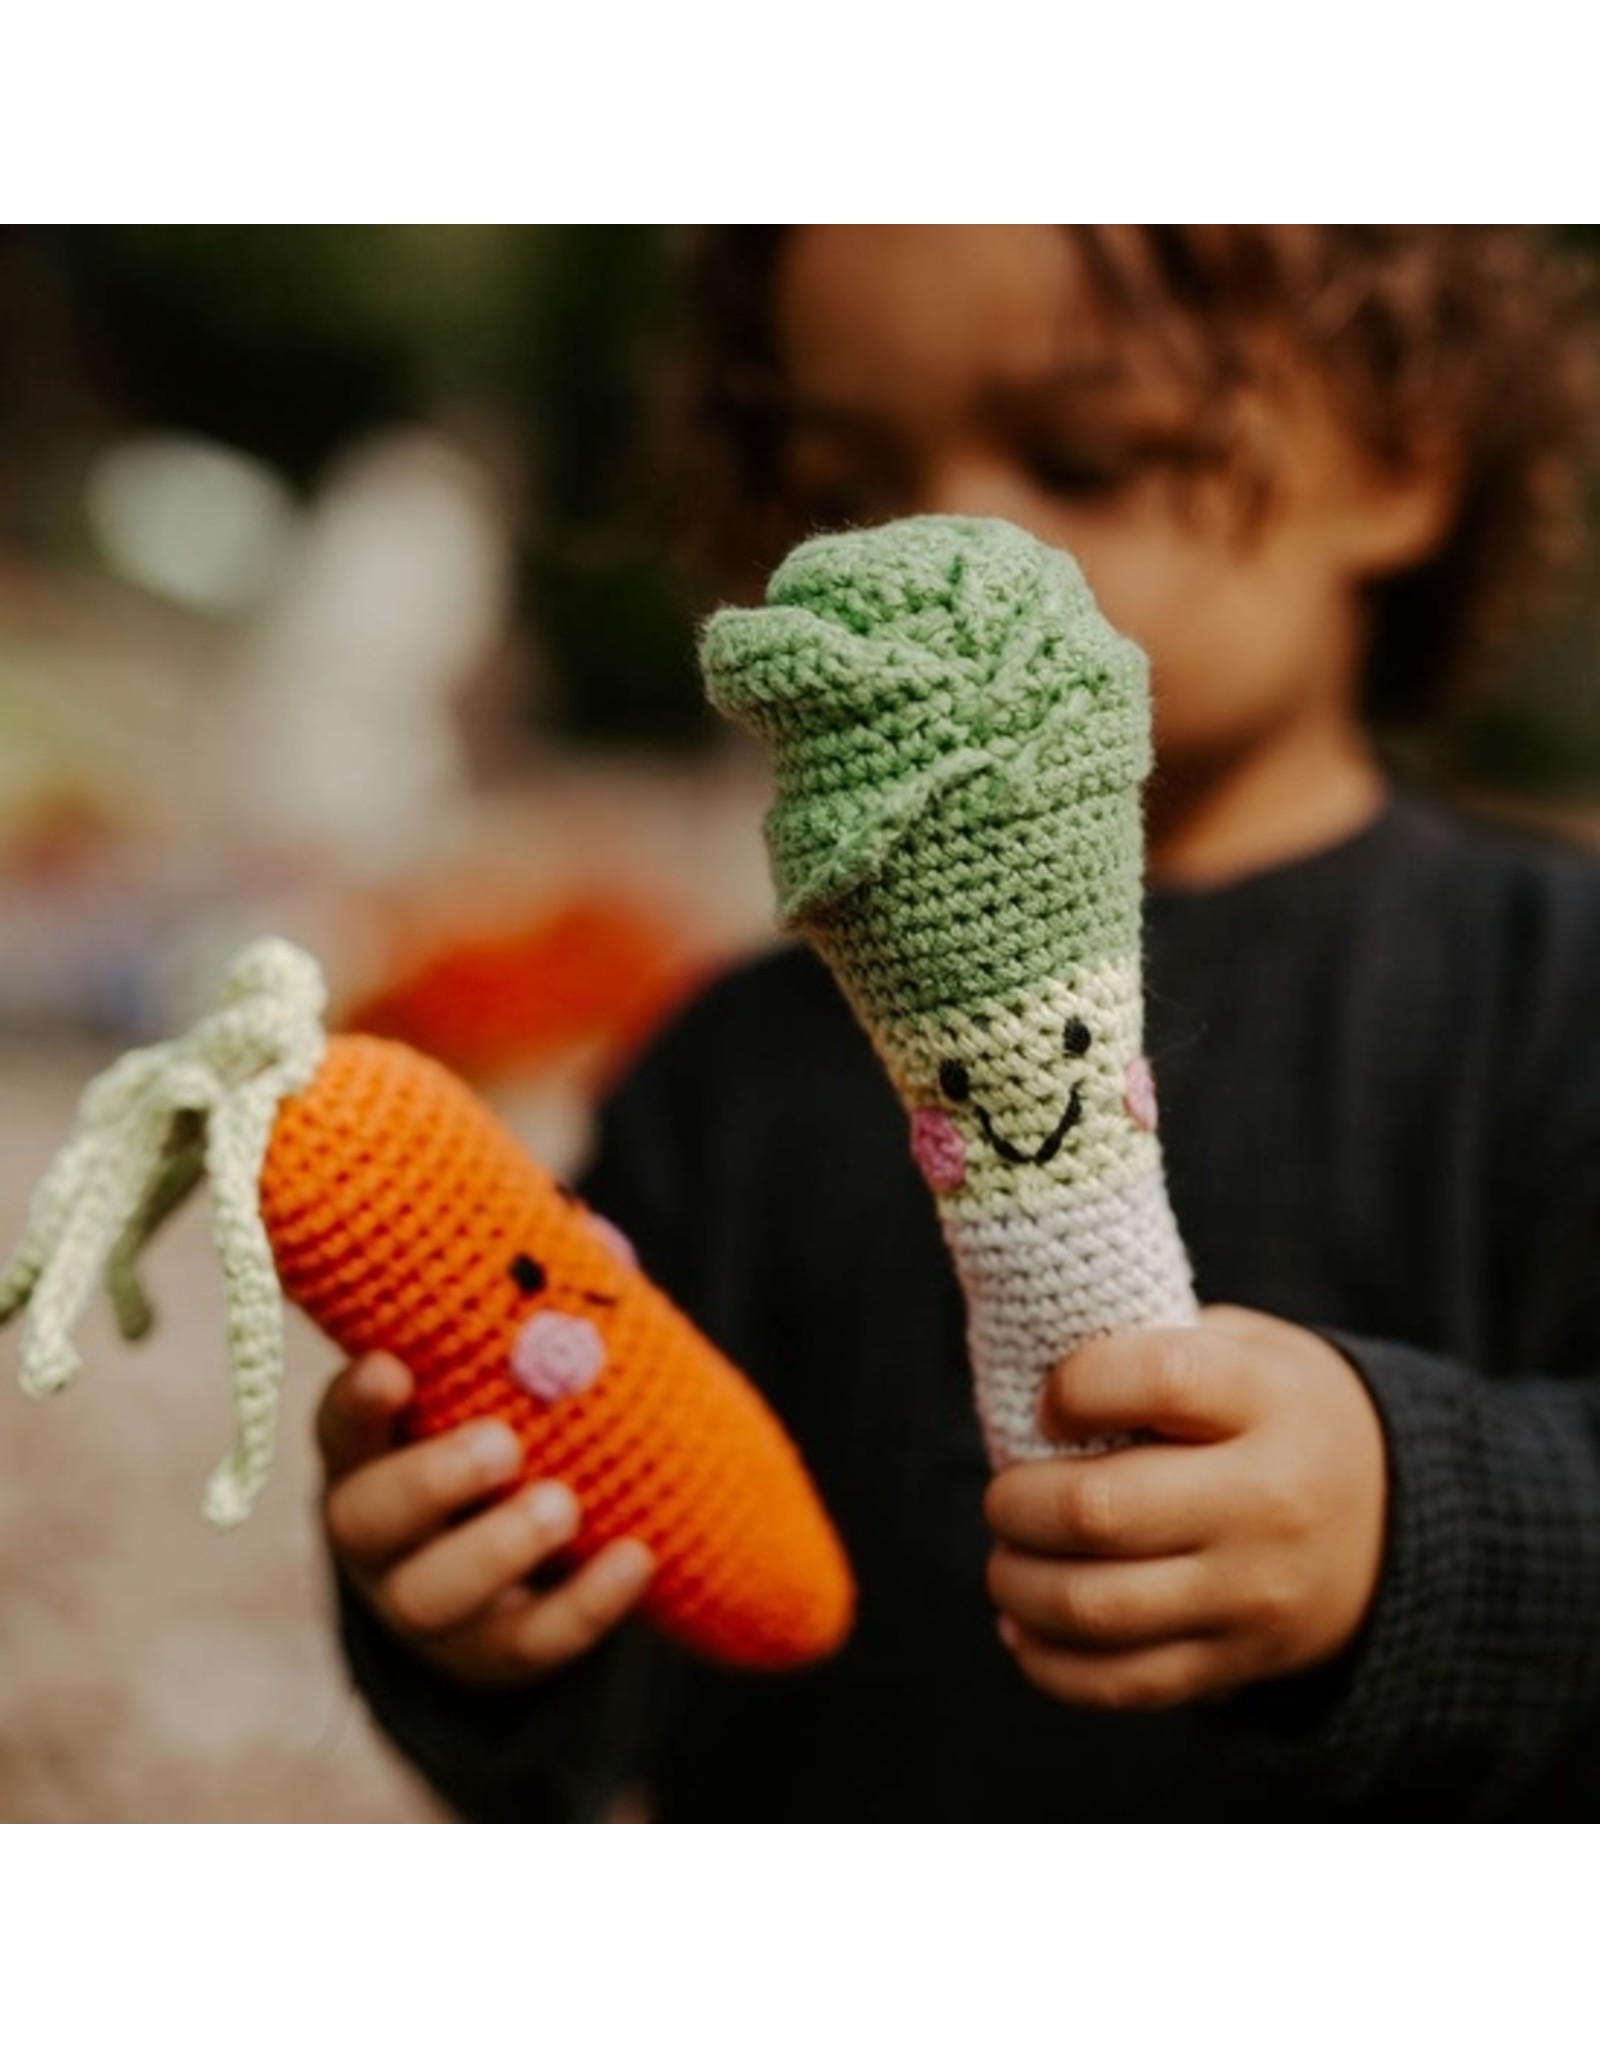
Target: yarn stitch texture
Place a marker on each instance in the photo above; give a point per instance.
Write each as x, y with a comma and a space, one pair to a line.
959, 741
395, 1210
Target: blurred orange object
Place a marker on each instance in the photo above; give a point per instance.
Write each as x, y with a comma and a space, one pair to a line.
593, 972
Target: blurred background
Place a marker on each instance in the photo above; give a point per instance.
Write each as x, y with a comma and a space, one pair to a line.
334, 601
338, 598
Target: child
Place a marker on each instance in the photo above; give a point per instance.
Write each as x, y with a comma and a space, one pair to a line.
1353, 1569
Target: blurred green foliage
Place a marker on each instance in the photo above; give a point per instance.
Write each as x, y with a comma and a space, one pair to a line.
546, 345
590, 351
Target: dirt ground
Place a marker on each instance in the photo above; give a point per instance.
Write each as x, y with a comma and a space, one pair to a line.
152, 1668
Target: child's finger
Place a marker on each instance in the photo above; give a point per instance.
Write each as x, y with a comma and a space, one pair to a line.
526, 1636
580, 1613
1104, 1603
459, 1575
1184, 1384
357, 1414
1151, 1500
392, 1505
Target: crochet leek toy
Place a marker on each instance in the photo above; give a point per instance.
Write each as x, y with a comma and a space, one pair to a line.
958, 741
394, 1209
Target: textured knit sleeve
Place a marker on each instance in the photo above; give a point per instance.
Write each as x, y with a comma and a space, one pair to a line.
1474, 1690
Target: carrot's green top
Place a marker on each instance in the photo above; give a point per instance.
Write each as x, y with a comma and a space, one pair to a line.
958, 739
148, 1130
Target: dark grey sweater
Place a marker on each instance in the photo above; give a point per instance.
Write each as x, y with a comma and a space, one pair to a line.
1380, 1083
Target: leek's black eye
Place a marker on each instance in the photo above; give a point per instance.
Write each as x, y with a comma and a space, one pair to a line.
1076, 1038
954, 1080
528, 1274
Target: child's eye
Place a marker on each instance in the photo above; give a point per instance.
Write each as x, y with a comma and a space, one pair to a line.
1077, 1038
1077, 472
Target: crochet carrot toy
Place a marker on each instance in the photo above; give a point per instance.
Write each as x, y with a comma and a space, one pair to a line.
394, 1209
958, 740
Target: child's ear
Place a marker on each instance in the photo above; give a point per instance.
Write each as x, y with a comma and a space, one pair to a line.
1397, 517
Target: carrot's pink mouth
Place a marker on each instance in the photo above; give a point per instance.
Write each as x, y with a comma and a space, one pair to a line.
554, 1355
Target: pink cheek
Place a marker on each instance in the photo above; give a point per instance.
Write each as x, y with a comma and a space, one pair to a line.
555, 1355
939, 1149
1139, 1093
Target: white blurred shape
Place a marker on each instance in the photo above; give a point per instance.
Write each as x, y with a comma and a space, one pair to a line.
344, 738
189, 520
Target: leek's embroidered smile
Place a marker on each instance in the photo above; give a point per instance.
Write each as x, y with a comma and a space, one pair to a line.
956, 1084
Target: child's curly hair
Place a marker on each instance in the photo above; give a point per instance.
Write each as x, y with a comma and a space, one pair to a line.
1479, 340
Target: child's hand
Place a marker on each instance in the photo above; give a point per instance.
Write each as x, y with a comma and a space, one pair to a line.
1245, 1545
436, 1546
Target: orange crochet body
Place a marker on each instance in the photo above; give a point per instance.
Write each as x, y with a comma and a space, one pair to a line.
403, 1218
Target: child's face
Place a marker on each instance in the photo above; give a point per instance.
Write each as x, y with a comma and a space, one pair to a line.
968, 369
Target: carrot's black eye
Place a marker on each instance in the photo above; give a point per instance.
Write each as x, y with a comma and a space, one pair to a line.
528, 1274
1077, 1038
955, 1080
